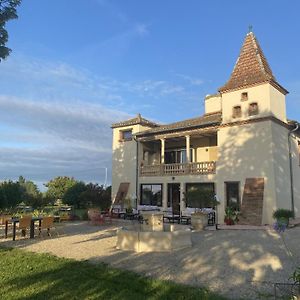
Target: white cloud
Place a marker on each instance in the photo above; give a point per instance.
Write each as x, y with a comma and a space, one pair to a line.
55, 119
191, 80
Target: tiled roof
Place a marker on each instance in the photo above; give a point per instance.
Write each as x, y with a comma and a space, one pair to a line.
137, 120
251, 68
203, 121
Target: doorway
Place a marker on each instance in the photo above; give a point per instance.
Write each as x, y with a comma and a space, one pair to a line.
174, 197
233, 195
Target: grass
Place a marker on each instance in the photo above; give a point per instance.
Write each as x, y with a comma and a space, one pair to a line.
26, 275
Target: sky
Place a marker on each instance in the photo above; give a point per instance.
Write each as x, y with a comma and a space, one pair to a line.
78, 66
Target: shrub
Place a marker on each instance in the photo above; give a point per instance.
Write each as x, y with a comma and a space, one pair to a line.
282, 213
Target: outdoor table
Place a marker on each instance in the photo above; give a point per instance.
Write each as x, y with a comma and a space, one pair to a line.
14, 221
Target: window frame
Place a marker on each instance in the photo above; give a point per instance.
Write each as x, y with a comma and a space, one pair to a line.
151, 200
234, 112
188, 184
121, 135
244, 96
252, 112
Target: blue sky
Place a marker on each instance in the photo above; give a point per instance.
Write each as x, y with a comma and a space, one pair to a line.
78, 66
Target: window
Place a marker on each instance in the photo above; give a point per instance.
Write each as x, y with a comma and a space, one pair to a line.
177, 156
151, 194
253, 109
199, 193
126, 135
244, 96
237, 112
233, 195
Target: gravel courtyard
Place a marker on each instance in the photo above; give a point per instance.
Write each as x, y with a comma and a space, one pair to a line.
235, 263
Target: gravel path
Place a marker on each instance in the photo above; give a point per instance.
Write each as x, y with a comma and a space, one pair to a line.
235, 263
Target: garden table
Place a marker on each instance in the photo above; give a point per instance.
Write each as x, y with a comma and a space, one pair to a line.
14, 222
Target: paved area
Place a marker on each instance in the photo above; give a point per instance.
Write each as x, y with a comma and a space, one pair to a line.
235, 263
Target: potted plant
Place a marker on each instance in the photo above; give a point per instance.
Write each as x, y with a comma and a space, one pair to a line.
231, 216
128, 205
200, 198
283, 215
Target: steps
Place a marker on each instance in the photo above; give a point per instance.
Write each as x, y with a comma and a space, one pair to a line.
252, 203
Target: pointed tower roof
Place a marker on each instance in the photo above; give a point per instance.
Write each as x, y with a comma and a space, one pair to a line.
251, 68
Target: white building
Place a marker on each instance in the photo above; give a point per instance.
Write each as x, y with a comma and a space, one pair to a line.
243, 147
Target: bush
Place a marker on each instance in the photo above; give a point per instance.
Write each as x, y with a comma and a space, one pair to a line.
282, 213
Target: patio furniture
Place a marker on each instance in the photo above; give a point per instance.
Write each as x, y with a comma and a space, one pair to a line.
117, 211
47, 224
133, 215
95, 217
3, 219
171, 216
106, 216
15, 221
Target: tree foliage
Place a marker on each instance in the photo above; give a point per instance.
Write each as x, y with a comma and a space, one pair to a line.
96, 196
58, 187
11, 194
30, 193
8, 11
72, 195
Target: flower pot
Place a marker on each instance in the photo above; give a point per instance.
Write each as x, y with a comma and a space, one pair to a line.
228, 221
199, 220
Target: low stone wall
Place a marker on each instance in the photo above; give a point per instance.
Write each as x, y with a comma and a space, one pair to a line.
145, 241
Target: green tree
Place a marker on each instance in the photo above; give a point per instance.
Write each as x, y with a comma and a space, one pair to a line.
58, 187
8, 11
11, 193
30, 193
72, 195
97, 196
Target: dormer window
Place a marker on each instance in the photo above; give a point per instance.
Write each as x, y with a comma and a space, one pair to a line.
125, 135
253, 109
237, 111
244, 96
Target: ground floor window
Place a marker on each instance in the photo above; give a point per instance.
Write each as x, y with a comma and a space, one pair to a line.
198, 194
151, 194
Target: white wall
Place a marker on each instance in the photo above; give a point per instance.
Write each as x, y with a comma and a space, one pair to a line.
213, 104
245, 151
270, 102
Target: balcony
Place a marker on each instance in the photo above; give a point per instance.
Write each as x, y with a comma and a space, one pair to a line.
195, 168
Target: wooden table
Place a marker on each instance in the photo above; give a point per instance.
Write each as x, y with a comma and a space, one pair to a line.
14, 222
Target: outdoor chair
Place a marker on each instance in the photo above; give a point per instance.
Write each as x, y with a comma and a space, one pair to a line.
47, 223
24, 224
117, 211
95, 217
3, 219
107, 216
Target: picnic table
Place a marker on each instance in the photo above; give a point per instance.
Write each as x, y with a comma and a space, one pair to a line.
14, 222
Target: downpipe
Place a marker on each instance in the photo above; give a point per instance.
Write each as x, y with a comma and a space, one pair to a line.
291, 166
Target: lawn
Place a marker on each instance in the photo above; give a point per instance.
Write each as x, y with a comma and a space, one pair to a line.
26, 275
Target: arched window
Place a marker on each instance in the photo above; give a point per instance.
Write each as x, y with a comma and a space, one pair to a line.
237, 111
253, 109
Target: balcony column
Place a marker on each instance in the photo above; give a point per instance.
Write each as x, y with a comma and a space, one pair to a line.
188, 148
162, 151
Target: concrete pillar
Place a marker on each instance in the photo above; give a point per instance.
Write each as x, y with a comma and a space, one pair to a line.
162, 151
165, 196
182, 191
188, 148
146, 158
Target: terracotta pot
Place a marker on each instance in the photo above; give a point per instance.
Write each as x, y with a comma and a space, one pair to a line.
228, 221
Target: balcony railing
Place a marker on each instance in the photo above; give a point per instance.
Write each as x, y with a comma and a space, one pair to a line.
196, 168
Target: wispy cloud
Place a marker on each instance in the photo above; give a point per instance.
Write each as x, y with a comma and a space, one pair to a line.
55, 119
191, 80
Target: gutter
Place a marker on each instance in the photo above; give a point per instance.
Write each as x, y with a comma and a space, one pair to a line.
291, 166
